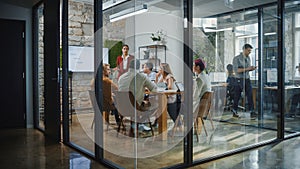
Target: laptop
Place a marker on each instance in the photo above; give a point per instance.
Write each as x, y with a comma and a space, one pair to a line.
179, 86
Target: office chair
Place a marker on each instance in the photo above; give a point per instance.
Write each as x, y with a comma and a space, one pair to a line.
203, 111
97, 110
230, 95
130, 109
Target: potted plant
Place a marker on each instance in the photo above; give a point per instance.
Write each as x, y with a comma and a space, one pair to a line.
158, 37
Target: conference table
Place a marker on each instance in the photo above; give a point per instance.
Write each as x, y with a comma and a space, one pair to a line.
162, 113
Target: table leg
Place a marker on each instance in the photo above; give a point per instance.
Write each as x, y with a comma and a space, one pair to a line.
254, 97
162, 120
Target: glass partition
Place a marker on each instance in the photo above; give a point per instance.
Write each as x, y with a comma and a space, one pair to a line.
146, 127
269, 76
292, 67
153, 31
81, 73
232, 121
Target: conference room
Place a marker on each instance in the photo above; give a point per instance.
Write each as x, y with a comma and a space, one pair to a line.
163, 32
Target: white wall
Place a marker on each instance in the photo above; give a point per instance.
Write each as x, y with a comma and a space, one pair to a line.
19, 13
140, 28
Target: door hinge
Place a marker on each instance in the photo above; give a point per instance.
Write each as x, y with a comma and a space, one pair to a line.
23, 35
23, 75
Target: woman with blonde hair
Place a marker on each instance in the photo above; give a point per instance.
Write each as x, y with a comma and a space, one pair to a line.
167, 77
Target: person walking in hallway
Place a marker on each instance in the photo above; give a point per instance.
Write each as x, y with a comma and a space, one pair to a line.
242, 67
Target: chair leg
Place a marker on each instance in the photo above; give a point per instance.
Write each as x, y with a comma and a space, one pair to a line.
179, 118
152, 132
197, 131
174, 127
92, 126
136, 130
131, 131
149, 122
106, 117
119, 125
211, 122
204, 126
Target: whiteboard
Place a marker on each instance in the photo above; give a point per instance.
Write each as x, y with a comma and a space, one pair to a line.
81, 59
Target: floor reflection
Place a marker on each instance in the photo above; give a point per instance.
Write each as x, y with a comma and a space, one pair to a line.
77, 161
26, 148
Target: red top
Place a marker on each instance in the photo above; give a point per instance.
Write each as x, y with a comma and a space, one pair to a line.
120, 64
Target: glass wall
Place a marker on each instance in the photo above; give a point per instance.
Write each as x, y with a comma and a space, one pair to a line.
269, 62
292, 67
217, 40
154, 33
155, 37
81, 73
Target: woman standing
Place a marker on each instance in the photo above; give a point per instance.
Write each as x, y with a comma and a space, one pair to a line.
123, 60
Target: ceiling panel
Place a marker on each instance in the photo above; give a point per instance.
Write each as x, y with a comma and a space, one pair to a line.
21, 3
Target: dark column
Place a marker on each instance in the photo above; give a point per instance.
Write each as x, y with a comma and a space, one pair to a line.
51, 63
188, 79
98, 77
281, 67
66, 104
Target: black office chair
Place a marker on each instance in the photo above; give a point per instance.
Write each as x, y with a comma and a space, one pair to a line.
230, 92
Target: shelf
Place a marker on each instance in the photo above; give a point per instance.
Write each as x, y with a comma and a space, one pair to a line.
155, 54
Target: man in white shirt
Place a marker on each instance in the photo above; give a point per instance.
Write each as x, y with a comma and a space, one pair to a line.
136, 82
201, 83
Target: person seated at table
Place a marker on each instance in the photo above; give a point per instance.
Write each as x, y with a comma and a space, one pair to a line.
168, 78
148, 71
230, 85
136, 82
230, 74
108, 86
201, 83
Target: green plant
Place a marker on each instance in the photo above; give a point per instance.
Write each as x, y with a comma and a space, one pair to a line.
155, 38
115, 49
158, 36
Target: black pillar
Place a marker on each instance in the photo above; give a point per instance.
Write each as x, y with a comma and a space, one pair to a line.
51, 68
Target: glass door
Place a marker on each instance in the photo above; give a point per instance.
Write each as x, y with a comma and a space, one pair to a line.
80, 74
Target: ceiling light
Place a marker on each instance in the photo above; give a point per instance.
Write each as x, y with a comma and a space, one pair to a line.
112, 3
207, 29
270, 33
128, 12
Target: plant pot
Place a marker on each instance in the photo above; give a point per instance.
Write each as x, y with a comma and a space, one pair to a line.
157, 42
